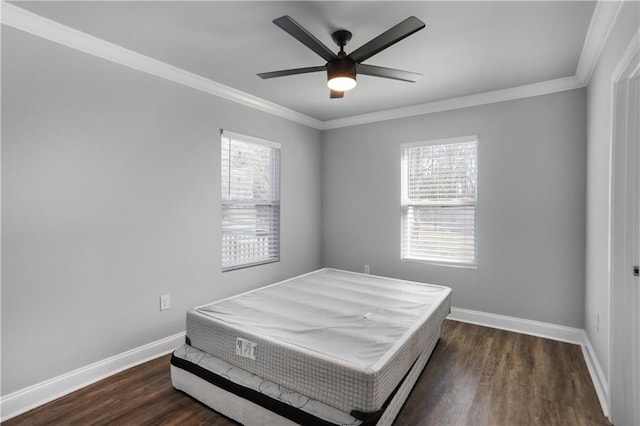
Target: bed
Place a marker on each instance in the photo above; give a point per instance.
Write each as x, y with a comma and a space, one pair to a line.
329, 347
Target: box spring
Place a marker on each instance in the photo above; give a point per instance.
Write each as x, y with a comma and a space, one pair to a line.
255, 401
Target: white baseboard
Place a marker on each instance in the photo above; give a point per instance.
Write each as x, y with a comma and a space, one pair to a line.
597, 376
33, 396
546, 330
519, 325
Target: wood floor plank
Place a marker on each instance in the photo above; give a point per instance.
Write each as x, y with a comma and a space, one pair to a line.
476, 376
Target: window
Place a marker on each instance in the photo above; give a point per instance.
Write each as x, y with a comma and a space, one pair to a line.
250, 176
439, 196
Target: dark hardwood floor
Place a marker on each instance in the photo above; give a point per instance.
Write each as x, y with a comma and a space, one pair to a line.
476, 376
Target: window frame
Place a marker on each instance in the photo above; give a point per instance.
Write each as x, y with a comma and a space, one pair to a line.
405, 203
231, 202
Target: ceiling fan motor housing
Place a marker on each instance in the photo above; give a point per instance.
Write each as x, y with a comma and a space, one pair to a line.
342, 67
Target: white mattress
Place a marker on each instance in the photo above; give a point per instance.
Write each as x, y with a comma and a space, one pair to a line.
342, 338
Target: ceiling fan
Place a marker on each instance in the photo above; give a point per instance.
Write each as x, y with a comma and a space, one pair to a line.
342, 68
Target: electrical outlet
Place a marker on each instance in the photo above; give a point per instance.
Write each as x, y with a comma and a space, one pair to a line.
165, 302
367, 270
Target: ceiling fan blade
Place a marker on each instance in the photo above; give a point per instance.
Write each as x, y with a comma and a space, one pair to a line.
395, 74
292, 71
335, 94
305, 37
391, 36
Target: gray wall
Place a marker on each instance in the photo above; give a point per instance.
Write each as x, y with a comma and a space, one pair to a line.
110, 198
597, 299
531, 205
110, 189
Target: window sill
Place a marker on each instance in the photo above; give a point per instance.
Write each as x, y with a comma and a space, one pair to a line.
447, 264
248, 265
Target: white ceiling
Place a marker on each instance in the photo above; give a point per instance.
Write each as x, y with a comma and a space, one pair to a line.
465, 49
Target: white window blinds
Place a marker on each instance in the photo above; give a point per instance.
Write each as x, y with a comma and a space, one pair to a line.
439, 197
250, 176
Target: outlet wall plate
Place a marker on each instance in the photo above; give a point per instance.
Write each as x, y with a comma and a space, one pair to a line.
165, 302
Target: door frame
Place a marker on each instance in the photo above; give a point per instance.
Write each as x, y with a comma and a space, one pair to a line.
621, 203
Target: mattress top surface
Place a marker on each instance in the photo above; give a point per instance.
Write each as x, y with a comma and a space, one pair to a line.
352, 317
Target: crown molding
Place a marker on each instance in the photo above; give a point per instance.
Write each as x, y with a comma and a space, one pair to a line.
624, 70
37, 25
602, 20
604, 16
526, 91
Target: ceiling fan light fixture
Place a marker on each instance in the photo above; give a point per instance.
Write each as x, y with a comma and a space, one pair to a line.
341, 75
341, 84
